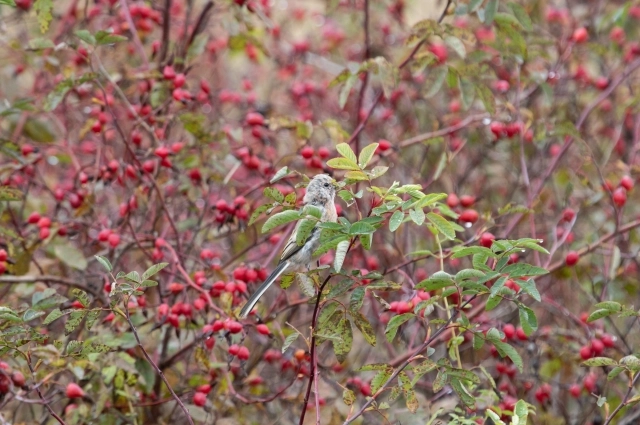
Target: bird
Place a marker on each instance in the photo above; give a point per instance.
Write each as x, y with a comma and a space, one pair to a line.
320, 193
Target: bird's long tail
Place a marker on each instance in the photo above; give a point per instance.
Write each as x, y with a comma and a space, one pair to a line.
255, 297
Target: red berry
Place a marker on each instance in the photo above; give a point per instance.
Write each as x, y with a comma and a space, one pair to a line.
114, 240
251, 275
384, 145
580, 35
589, 383
254, 118
467, 200
199, 399
44, 222
486, 240
179, 80
620, 196
439, 51
568, 214
33, 218
597, 346
497, 128
74, 391
243, 353
168, 73
26, 149
575, 390
469, 216
572, 258
18, 379
44, 232
204, 389
176, 288
453, 200
509, 330
149, 166
306, 152
161, 152
323, 152
521, 335
585, 352
627, 183
3, 255
608, 341
263, 329
233, 327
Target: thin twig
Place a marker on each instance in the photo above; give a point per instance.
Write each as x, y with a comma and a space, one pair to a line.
155, 366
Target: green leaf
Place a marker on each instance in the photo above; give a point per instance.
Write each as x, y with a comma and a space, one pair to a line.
615, 372
279, 219
438, 280
273, 193
106, 37
257, 212
599, 314
8, 3
466, 274
456, 44
381, 378
396, 220
366, 154
522, 16
417, 215
462, 392
31, 314
304, 229
418, 371
505, 349
357, 298
529, 287
599, 361
490, 11
522, 411
289, 340
104, 262
522, 269
486, 96
70, 255
153, 270
528, 320
440, 381
43, 10
343, 164
330, 244
281, 173
348, 397
54, 315
345, 150
81, 296
609, 305
361, 228
10, 194
92, 318
341, 252
394, 324
346, 90
74, 320
133, 277
365, 240
365, 327
442, 224
434, 80
86, 36
343, 347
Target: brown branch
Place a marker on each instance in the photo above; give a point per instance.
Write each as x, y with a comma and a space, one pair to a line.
50, 279
155, 366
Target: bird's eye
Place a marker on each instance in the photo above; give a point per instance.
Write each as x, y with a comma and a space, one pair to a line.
327, 185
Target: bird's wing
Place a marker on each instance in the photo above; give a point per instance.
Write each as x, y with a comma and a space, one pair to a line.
291, 248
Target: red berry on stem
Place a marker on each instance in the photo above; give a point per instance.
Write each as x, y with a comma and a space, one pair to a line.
619, 196
74, 391
306, 152
572, 258
199, 399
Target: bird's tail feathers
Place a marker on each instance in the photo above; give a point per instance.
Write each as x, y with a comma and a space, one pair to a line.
255, 297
